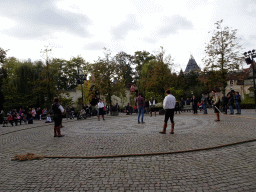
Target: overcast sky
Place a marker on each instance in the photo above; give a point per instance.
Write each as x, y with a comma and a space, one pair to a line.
81, 27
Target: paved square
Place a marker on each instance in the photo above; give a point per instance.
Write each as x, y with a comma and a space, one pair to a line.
230, 168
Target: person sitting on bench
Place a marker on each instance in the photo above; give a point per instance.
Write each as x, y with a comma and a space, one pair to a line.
10, 119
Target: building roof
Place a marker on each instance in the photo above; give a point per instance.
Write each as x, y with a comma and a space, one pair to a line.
192, 65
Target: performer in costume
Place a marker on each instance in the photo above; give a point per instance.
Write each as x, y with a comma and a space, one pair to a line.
169, 106
216, 105
57, 110
101, 110
152, 103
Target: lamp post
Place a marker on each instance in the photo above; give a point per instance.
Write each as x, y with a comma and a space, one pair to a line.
249, 60
80, 78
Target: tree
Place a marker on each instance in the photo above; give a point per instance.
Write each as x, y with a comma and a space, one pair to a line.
107, 77
25, 85
3, 76
223, 53
140, 58
156, 76
2, 55
88, 92
124, 62
177, 93
181, 83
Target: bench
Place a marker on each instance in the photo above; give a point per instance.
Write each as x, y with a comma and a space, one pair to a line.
186, 108
6, 122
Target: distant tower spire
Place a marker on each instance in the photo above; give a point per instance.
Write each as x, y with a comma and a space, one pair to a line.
192, 65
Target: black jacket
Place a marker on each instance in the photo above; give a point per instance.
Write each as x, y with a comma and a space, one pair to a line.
230, 101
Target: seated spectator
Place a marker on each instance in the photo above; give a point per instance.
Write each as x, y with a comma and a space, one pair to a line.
135, 109
83, 114
23, 118
33, 112
18, 118
30, 117
14, 117
10, 119
128, 109
48, 119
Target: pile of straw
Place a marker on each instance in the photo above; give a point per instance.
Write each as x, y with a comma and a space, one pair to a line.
28, 156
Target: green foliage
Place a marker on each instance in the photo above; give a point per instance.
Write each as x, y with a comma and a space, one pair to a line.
124, 62
155, 77
141, 58
248, 100
26, 84
107, 78
88, 93
2, 55
177, 93
66, 101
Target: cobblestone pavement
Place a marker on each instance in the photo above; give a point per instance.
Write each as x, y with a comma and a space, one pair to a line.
231, 168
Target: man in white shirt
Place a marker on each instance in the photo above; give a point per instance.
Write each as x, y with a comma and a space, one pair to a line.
169, 106
101, 111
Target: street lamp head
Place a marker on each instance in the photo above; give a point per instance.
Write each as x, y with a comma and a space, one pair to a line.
245, 53
253, 50
249, 52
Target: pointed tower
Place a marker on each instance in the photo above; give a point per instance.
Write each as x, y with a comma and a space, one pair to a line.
192, 66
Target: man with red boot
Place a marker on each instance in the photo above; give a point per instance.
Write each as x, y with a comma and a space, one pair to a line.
57, 110
169, 106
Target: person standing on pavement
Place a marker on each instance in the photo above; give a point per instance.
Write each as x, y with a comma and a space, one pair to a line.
194, 104
188, 101
40, 113
97, 109
68, 112
216, 105
230, 103
57, 110
182, 103
72, 112
238, 102
169, 106
204, 103
140, 106
146, 106
152, 104
177, 107
224, 101
101, 111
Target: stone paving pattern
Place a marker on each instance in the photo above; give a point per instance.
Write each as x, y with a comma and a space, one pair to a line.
230, 168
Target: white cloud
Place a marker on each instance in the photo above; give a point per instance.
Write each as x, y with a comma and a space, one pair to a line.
174, 24
120, 31
84, 27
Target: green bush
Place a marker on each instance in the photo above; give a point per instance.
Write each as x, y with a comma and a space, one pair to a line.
247, 100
